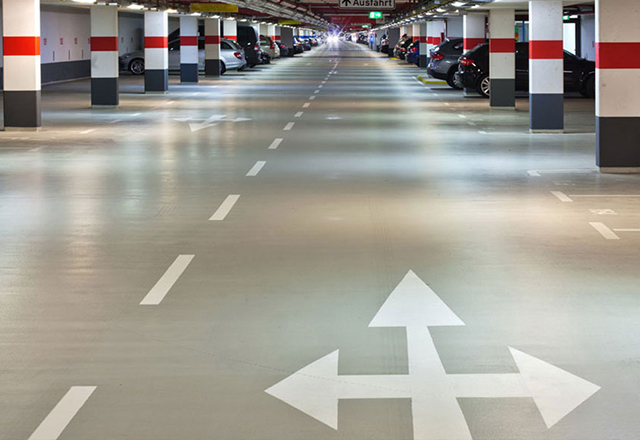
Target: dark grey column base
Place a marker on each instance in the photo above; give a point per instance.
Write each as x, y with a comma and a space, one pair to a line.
503, 93
188, 73
156, 80
104, 92
22, 110
546, 112
212, 67
617, 143
422, 61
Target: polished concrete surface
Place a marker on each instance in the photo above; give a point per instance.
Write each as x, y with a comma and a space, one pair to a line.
380, 175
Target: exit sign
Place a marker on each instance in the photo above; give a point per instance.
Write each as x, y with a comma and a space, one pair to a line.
375, 15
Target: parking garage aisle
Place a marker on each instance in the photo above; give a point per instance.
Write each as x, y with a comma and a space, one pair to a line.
185, 253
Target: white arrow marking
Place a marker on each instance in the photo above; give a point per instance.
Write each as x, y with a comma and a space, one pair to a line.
317, 388
209, 122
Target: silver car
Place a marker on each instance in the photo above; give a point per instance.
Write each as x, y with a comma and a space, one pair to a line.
232, 57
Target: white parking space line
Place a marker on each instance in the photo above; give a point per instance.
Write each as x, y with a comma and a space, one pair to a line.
306, 105
88, 131
60, 416
562, 196
626, 230
297, 115
225, 208
604, 231
256, 168
275, 144
166, 282
289, 126
606, 196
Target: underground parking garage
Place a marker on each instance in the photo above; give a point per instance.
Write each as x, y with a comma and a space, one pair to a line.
292, 220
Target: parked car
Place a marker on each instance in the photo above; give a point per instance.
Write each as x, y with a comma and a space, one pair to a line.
384, 44
249, 40
232, 57
443, 63
285, 51
305, 44
473, 71
297, 46
313, 41
401, 48
270, 48
413, 53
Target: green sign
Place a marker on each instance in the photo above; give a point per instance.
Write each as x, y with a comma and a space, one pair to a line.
365, 26
375, 15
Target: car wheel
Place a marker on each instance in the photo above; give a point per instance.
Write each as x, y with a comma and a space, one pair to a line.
223, 68
589, 90
137, 66
451, 78
483, 86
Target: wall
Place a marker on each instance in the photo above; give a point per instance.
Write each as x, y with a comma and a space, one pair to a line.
131, 32
588, 37
454, 27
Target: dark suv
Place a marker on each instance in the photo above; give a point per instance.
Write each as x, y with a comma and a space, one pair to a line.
249, 40
443, 63
473, 71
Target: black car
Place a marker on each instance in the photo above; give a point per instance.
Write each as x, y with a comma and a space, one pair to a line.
473, 71
384, 44
284, 50
249, 40
443, 63
401, 48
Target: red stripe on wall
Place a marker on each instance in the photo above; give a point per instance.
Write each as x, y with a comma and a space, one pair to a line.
436, 41
617, 55
189, 40
545, 50
277, 37
502, 45
212, 39
21, 46
104, 44
429, 40
470, 43
423, 39
156, 42
416, 38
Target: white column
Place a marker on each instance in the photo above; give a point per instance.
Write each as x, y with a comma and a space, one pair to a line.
424, 52
21, 51
105, 67
502, 58
546, 66
189, 60
212, 62
156, 51
231, 30
474, 30
617, 85
277, 34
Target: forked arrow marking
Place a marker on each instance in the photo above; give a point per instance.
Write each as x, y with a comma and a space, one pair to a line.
317, 388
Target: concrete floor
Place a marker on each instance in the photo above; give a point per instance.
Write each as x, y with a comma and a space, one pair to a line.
379, 176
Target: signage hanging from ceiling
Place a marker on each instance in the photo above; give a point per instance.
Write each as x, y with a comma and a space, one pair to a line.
367, 4
375, 15
289, 22
214, 7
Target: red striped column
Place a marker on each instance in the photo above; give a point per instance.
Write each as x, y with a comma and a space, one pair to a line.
156, 52
212, 63
231, 30
424, 53
502, 58
435, 29
21, 47
415, 31
272, 33
188, 50
104, 56
473, 30
546, 66
618, 85
277, 34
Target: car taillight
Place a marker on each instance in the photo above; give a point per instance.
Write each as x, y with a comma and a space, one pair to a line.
238, 55
414, 50
437, 56
256, 48
466, 61
272, 46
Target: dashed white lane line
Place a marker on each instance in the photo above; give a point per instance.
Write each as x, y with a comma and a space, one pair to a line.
471, 123
324, 82
60, 416
289, 126
312, 98
135, 114
604, 231
320, 86
256, 168
88, 131
166, 282
306, 105
275, 144
316, 91
462, 116
299, 114
562, 196
225, 208
115, 121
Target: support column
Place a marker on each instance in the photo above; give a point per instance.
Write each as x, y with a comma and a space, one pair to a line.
473, 29
231, 30
546, 66
21, 47
271, 33
405, 30
277, 34
263, 29
104, 56
212, 64
424, 53
617, 86
156, 52
189, 50
502, 58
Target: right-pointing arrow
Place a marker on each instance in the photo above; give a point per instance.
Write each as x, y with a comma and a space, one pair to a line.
556, 392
